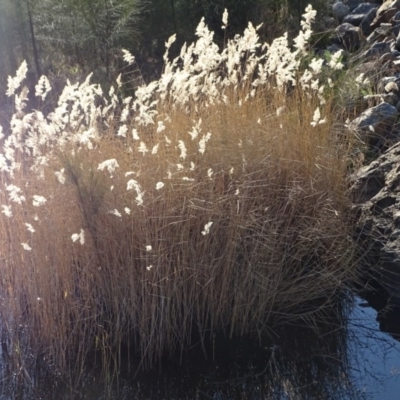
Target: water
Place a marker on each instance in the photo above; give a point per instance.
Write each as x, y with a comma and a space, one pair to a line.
376, 354
346, 356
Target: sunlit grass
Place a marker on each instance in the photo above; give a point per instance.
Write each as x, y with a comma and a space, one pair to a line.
215, 200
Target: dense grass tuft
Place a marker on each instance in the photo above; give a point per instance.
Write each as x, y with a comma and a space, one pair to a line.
222, 208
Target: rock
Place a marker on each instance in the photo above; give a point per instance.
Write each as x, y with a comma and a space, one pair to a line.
398, 42
376, 187
382, 33
376, 191
349, 36
377, 49
377, 34
383, 82
386, 12
386, 79
396, 23
353, 4
395, 134
385, 69
386, 57
374, 124
356, 16
340, 10
368, 182
333, 48
368, 68
392, 43
329, 23
365, 24
393, 99
392, 87
389, 273
386, 28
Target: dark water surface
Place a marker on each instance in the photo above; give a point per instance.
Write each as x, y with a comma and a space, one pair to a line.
375, 349
346, 356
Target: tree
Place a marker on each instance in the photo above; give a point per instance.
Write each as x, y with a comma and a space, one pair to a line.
86, 34
13, 37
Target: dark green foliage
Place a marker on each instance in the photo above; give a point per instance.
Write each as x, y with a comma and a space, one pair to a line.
70, 38
87, 32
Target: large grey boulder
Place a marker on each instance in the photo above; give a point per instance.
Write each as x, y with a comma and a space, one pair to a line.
377, 50
376, 192
375, 124
340, 10
349, 36
356, 16
365, 24
353, 4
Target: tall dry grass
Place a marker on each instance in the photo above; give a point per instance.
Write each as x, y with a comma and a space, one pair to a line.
226, 213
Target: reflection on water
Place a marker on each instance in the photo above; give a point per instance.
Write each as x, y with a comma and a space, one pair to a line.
345, 356
375, 355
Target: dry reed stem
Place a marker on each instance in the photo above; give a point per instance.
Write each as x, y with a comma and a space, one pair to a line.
279, 238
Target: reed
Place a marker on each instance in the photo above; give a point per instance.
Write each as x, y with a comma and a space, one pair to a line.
215, 200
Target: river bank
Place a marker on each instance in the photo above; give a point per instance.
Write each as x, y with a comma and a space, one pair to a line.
369, 33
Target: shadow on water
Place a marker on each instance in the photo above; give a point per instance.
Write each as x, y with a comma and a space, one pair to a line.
344, 356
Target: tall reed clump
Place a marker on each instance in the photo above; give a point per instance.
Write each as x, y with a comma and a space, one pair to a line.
214, 200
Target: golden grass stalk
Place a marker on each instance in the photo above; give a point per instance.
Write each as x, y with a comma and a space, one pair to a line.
243, 236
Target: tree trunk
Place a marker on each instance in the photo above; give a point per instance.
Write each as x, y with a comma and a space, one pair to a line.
34, 47
7, 52
173, 16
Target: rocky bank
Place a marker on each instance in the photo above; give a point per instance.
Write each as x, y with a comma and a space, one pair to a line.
370, 32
